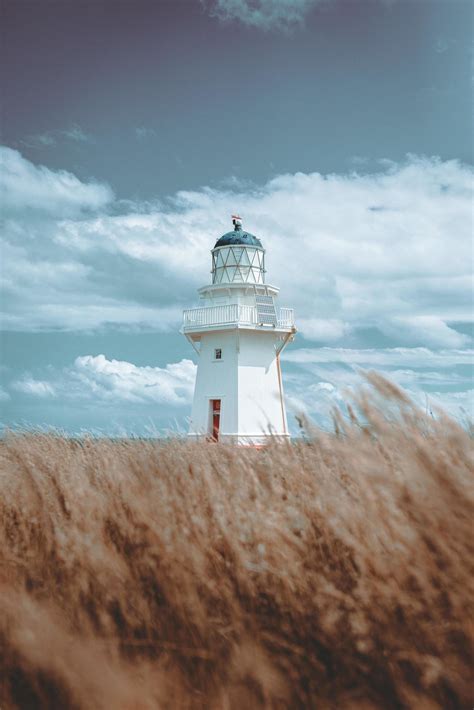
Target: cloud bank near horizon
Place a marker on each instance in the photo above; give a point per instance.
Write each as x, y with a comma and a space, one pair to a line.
324, 379
317, 381
97, 379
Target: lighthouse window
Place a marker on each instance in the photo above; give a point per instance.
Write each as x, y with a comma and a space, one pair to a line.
218, 354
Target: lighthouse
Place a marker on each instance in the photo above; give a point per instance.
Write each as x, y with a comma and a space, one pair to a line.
238, 332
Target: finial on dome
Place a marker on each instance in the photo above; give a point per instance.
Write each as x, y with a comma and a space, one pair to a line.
237, 222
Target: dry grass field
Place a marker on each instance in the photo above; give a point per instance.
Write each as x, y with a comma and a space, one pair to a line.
332, 573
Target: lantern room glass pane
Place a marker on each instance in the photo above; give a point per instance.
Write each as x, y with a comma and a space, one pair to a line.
238, 264
230, 258
244, 258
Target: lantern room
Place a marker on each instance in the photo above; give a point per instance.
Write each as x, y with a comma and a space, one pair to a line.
238, 257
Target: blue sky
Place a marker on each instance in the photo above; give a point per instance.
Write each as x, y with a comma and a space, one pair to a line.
131, 132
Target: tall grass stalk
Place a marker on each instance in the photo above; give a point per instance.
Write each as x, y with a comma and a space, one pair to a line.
334, 573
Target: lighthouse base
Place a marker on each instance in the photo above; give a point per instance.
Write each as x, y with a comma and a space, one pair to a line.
253, 440
238, 396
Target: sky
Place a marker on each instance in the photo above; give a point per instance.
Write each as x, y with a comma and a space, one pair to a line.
340, 130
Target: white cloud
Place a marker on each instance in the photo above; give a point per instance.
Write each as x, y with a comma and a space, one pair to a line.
121, 380
24, 186
98, 379
36, 388
427, 329
326, 330
388, 251
360, 266
262, 14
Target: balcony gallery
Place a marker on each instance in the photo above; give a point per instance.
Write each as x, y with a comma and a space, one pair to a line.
236, 315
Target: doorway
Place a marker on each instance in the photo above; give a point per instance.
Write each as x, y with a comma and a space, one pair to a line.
215, 418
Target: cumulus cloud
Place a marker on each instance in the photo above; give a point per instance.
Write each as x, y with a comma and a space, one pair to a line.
94, 377
388, 251
121, 380
262, 14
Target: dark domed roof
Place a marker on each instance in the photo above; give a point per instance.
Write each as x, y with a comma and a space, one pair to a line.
238, 236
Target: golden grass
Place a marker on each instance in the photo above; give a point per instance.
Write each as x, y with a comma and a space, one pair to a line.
335, 573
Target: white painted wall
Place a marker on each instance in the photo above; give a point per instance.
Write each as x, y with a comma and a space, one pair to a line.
260, 405
246, 382
216, 379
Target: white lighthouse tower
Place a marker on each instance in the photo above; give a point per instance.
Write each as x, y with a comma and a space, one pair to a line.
238, 333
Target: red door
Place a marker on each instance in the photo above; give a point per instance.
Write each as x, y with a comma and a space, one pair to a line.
216, 418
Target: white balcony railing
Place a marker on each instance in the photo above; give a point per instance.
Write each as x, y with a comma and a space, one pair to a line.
287, 318
230, 314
